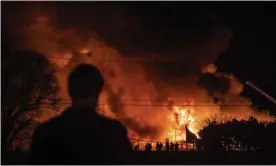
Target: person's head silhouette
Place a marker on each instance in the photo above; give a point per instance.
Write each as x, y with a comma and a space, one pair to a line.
85, 83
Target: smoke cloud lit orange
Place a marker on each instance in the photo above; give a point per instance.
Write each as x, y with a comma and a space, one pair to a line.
130, 95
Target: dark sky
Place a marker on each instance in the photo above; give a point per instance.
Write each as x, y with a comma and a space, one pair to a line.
177, 30
251, 53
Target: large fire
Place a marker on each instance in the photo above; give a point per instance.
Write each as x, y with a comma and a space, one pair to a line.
172, 118
180, 117
127, 81
175, 118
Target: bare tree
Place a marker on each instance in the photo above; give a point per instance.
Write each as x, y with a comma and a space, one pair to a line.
216, 118
28, 83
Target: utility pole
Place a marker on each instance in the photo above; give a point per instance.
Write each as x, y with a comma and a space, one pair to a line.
175, 135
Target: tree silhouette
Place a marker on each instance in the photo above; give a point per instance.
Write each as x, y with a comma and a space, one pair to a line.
28, 83
235, 135
215, 118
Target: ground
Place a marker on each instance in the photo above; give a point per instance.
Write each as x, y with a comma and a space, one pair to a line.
183, 157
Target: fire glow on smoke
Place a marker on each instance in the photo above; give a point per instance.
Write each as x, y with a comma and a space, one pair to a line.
176, 118
148, 122
128, 80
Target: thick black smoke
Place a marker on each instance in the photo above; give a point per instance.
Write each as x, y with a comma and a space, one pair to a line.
213, 84
172, 41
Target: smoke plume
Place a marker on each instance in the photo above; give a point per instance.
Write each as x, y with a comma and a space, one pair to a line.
141, 66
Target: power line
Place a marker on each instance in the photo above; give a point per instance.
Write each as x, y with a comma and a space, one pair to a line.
155, 105
197, 105
159, 105
155, 101
78, 58
144, 60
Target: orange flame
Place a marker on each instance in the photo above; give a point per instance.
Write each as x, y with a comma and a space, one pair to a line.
179, 118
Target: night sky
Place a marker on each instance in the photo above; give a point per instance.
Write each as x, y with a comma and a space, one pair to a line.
176, 31
251, 53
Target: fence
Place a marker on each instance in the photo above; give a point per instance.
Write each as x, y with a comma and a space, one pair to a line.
183, 145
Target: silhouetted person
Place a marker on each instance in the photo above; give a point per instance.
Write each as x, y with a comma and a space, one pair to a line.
147, 147
161, 146
167, 146
176, 146
150, 146
157, 147
172, 146
80, 135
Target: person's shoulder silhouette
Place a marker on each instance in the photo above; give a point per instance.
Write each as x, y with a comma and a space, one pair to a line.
80, 135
